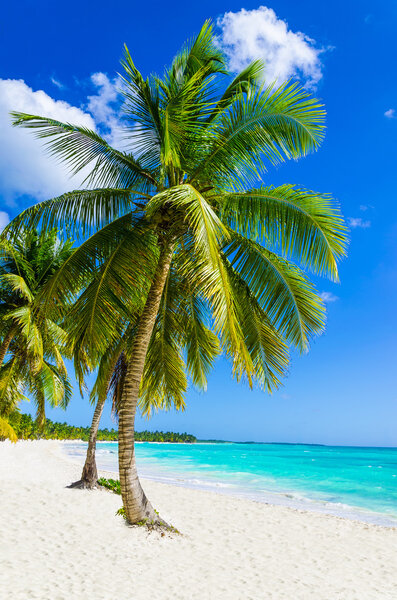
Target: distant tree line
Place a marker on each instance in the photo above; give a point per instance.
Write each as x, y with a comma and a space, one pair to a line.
27, 428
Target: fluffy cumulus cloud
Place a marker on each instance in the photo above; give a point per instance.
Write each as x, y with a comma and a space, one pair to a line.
358, 222
328, 297
390, 113
250, 34
25, 167
104, 106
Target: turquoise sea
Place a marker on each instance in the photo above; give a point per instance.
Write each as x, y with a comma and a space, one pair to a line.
348, 481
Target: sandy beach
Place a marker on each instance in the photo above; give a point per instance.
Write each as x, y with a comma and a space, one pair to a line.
59, 544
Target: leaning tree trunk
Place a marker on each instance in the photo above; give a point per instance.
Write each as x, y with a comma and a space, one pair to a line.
137, 507
89, 476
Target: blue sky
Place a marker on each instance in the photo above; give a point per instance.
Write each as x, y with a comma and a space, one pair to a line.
61, 59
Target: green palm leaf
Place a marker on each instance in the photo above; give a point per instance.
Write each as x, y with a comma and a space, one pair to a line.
266, 346
17, 284
164, 383
267, 126
32, 337
80, 212
7, 431
202, 345
119, 283
82, 148
245, 82
281, 289
301, 223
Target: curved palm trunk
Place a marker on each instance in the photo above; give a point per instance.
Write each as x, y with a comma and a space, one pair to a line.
40, 413
137, 507
6, 343
89, 475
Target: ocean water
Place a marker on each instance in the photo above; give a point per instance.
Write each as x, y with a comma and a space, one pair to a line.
351, 482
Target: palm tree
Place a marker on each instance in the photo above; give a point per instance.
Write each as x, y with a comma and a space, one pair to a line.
182, 228
106, 370
32, 341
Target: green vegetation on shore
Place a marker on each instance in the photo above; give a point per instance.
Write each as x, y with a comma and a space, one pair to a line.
110, 484
26, 428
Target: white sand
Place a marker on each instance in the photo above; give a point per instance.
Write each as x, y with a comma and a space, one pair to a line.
58, 544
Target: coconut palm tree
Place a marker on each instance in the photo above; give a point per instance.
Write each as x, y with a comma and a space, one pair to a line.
32, 342
183, 227
107, 369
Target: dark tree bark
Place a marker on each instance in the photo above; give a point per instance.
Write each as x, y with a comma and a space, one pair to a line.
89, 475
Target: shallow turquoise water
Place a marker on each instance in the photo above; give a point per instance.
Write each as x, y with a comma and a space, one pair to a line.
341, 480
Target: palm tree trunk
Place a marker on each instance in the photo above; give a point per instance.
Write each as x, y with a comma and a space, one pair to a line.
89, 475
40, 412
137, 507
6, 343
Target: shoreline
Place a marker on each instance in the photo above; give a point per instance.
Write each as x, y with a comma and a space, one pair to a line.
292, 499
217, 442
61, 544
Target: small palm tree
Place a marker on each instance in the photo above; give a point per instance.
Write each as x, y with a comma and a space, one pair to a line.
107, 378
183, 229
32, 342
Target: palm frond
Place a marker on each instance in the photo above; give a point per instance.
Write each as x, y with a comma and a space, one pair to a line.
269, 126
116, 383
7, 431
244, 83
202, 345
142, 112
281, 289
211, 281
268, 350
22, 316
11, 386
79, 213
18, 285
164, 381
300, 223
83, 148
118, 285
200, 54
106, 380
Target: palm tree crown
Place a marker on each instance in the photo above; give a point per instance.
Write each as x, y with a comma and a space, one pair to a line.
189, 252
32, 340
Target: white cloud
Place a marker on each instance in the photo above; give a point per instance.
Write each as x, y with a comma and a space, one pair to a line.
355, 222
105, 108
391, 113
25, 167
100, 105
328, 297
57, 83
4, 219
259, 33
